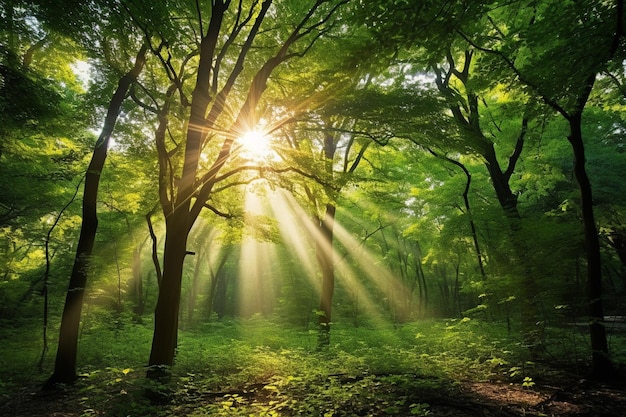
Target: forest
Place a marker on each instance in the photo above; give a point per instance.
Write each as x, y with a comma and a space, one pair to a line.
312, 208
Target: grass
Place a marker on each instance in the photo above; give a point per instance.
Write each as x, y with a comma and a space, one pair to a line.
259, 367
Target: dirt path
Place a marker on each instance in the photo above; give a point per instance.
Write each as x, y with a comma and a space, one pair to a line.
580, 399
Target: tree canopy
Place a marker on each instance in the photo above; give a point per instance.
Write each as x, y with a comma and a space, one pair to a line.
317, 162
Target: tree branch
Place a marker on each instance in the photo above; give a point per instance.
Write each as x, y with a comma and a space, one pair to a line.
218, 212
199, 11
548, 100
519, 144
155, 254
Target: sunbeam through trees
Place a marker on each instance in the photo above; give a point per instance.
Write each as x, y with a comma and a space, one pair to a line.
312, 207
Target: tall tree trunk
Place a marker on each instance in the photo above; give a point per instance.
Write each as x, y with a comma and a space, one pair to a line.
216, 277
136, 289
165, 335
178, 210
532, 333
193, 289
178, 220
183, 199
468, 117
220, 293
601, 362
324, 252
65, 364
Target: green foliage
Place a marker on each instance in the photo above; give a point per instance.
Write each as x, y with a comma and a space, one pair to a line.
258, 367
410, 251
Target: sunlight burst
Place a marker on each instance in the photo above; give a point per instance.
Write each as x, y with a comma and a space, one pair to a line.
255, 145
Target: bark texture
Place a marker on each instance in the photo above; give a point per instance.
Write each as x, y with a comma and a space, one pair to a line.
324, 252
601, 362
65, 363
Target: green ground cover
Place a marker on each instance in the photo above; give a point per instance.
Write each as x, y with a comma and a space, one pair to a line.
259, 367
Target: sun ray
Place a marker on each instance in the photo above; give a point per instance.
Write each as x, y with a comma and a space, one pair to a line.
291, 220
374, 292
359, 293
384, 279
257, 270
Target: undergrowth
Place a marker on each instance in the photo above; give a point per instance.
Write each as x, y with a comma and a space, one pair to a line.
258, 367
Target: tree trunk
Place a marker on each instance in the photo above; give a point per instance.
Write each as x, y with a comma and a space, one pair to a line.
217, 277
195, 283
601, 362
500, 182
166, 312
65, 364
178, 220
220, 293
500, 179
137, 293
532, 333
324, 252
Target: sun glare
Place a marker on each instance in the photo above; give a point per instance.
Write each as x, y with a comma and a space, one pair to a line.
255, 145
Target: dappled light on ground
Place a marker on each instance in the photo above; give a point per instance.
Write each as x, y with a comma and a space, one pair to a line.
260, 367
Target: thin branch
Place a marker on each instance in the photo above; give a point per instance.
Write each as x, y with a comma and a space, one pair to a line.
137, 101
166, 169
452, 96
46, 275
621, 88
548, 100
220, 99
491, 118
359, 157
199, 11
273, 170
468, 181
237, 27
381, 138
155, 254
218, 212
149, 94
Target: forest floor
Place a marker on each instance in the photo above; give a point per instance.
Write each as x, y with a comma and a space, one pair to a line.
464, 368
384, 395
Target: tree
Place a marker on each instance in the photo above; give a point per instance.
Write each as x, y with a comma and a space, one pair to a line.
43, 136
65, 364
335, 135
530, 41
464, 102
474, 128
549, 64
39, 95
217, 114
